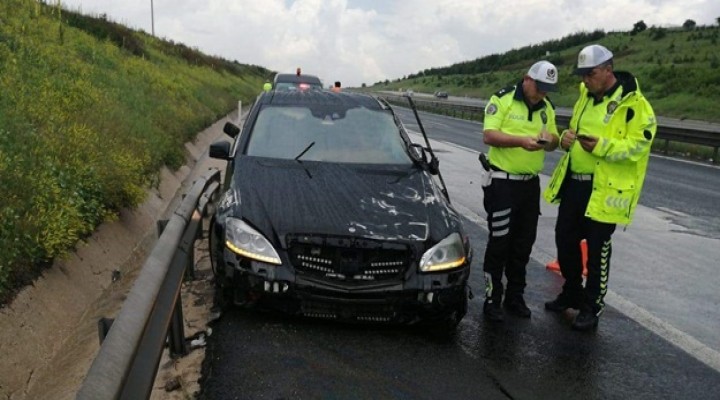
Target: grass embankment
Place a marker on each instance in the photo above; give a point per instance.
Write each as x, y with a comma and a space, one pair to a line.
89, 113
678, 69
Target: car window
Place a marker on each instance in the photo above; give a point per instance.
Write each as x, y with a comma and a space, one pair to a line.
296, 86
356, 135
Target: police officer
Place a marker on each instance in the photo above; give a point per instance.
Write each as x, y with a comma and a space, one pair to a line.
519, 127
599, 179
267, 86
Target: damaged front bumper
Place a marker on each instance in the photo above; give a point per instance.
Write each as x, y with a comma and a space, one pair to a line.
409, 298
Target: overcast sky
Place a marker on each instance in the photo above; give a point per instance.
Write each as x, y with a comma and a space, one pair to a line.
366, 41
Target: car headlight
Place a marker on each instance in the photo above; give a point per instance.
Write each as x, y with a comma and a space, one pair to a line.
447, 254
246, 241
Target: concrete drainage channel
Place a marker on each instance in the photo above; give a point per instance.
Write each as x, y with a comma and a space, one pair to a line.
49, 334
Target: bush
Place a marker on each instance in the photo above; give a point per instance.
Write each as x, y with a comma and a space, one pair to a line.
87, 124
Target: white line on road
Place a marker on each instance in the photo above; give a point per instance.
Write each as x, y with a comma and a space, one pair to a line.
685, 342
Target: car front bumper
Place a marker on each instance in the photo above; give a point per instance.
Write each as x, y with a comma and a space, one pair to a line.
412, 298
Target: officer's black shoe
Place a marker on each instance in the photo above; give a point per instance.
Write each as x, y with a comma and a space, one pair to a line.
492, 311
586, 320
515, 305
561, 303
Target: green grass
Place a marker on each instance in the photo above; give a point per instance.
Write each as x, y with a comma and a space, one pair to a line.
678, 71
89, 113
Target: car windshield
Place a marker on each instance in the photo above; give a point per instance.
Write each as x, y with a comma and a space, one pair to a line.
355, 135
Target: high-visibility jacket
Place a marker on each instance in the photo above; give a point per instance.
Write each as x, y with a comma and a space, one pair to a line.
508, 112
267, 86
621, 154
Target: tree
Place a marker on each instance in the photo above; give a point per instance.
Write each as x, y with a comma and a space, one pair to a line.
689, 24
638, 27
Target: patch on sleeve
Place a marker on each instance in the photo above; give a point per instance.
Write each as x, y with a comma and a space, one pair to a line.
491, 109
648, 134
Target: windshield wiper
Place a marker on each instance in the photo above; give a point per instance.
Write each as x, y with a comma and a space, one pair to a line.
302, 154
304, 151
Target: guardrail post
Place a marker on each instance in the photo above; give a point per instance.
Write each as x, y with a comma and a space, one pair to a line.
176, 335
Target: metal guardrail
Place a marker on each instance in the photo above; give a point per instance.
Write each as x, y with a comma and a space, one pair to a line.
127, 363
699, 133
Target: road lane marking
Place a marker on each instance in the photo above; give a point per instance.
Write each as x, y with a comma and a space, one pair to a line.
644, 318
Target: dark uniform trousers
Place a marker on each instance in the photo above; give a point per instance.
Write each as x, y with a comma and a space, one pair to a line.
571, 228
513, 208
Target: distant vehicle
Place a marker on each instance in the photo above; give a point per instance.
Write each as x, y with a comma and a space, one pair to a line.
409, 93
297, 81
330, 211
441, 95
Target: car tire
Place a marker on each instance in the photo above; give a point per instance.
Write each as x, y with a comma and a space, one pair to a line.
446, 327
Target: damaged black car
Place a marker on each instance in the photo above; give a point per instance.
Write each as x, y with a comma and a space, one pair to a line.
328, 210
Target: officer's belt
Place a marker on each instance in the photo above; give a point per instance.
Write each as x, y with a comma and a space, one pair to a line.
581, 177
512, 177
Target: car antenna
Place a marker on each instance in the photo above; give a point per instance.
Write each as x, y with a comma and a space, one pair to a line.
434, 162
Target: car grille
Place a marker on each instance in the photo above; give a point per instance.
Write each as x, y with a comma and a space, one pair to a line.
348, 259
348, 312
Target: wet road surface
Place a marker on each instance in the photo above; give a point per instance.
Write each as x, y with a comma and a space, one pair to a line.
265, 355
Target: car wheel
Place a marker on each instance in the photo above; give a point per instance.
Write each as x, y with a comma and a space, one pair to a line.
447, 326
216, 256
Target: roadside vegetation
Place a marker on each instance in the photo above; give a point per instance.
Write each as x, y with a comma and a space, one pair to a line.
678, 68
89, 113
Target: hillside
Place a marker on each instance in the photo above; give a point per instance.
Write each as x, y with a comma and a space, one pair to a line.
678, 69
89, 112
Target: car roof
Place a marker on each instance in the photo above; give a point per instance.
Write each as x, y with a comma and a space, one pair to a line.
321, 98
294, 78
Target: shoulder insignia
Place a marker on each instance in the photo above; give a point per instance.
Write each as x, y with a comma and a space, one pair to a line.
502, 92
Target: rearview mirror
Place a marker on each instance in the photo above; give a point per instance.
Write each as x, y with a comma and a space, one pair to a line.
420, 153
231, 129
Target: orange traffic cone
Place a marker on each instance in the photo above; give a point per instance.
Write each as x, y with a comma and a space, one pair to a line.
584, 252
554, 265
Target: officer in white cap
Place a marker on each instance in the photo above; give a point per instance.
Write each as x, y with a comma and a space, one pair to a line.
519, 127
598, 181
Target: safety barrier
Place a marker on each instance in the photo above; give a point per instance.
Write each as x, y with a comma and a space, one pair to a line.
127, 363
669, 130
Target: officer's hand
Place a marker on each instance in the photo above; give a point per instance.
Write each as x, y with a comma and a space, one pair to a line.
587, 142
568, 138
530, 144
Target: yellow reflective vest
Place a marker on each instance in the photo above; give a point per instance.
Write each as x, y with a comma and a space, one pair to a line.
621, 154
508, 112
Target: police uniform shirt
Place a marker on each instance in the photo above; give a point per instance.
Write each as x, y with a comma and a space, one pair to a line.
508, 113
592, 122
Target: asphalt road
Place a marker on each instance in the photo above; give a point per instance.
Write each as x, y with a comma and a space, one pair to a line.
658, 339
265, 355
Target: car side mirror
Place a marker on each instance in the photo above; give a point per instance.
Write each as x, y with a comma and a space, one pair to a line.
421, 155
418, 152
220, 150
434, 165
231, 129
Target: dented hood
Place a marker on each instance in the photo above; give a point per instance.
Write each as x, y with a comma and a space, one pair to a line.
370, 201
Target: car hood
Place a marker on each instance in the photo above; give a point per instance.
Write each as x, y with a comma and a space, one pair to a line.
378, 202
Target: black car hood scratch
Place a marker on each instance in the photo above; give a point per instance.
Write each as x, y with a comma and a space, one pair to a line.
376, 202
